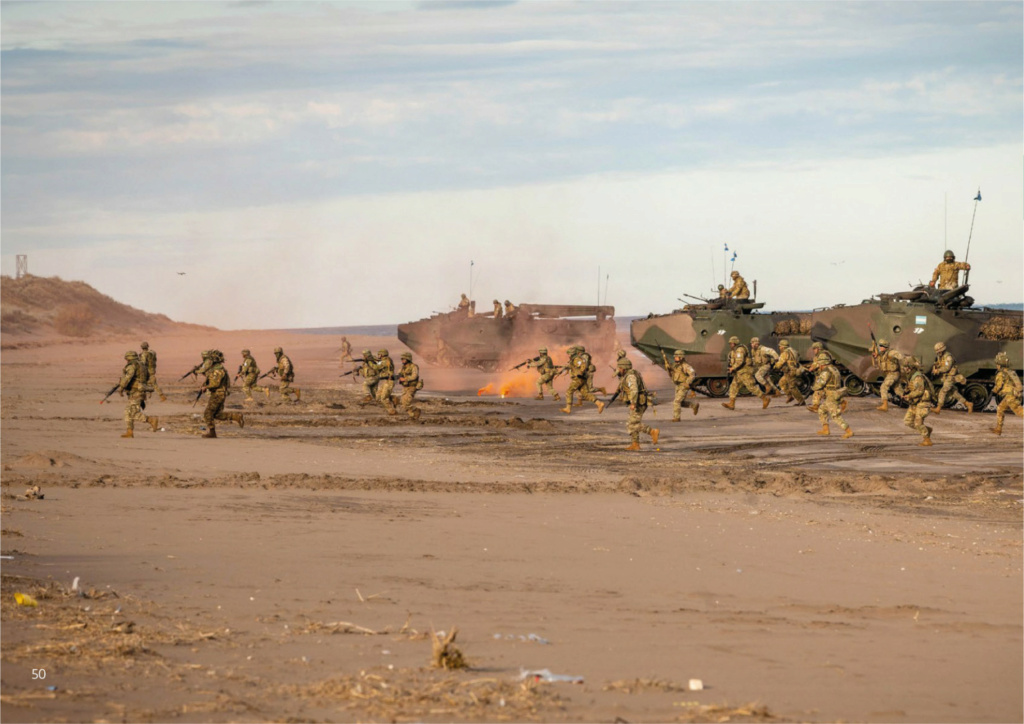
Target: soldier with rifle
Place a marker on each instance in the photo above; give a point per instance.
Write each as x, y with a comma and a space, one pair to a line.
386, 382
634, 393
919, 396
762, 359
546, 370
742, 375
133, 381
370, 374
1008, 387
888, 361
409, 378
946, 371
791, 368
579, 371
682, 376
218, 384
249, 371
148, 360
199, 369
830, 383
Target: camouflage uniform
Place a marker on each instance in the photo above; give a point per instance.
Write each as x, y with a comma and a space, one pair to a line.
497, 309
249, 371
386, 383
830, 382
285, 373
742, 375
546, 368
945, 368
148, 360
739, 289
464, 304
761, 359
791, 368
919, 401
218, 384
682, 376
1008, 387
370, 375
579, 370
888, 361
511, 310
133, 381
817, 395
346, 352
634, 393
947, 273
204, 367
409, 377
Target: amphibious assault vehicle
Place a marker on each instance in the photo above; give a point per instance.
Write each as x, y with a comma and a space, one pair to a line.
463, 339
912, 321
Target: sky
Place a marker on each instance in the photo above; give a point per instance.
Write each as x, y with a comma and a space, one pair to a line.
260, 165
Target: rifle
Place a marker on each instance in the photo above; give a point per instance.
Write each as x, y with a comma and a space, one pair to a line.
561, 370
612, 399
198, 395
874, 343
525, 362
665, 360
112, 391
192, 371
351, 371
266, 374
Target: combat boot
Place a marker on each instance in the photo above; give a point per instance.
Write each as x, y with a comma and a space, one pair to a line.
696, 406
998, 429
789, 398
634, 446
367, 399
163, 397
970, 407
415, 414
556, 397
154, 422
730, 405
675, 419
812, 408
600, 407
539, 397
927, 442
824, 430
848, 433
210, 433
128, 433
298, 395
567, 410
578, 403
266, 391
239, 418
937, 410
884, 406
655, 432
765, 401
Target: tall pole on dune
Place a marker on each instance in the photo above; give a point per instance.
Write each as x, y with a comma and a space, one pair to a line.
599, 286
471, 279
977, 198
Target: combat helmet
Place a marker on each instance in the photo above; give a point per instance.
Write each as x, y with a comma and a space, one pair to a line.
407, 355
144, 345
883, 343
382, 353
624, 363
822, 358
679, 353
246, 353
949, 256
755, 340
734, 339
278, 350
1002, 360
940, 347
542, 350
216, 355
783, 343
734, 274
911, 362
131, 354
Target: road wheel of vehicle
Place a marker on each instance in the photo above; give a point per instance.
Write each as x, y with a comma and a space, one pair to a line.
978, 395
854, 385
717, 386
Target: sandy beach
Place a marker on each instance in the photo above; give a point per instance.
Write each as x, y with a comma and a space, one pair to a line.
298, 569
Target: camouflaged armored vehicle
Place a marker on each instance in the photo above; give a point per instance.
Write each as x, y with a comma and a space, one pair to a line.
911, 321
463, 339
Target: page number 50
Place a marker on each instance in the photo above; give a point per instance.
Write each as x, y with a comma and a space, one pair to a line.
38, 673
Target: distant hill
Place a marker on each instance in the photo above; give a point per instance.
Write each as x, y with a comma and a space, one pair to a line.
49, 306
1017, 307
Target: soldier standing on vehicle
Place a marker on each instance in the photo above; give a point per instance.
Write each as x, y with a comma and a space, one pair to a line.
249, 371
682, 376
285, 374
1008, 387
761, 359
511, 310
830, 382
546, 369
634, 393
947, 273
148, 359
888, 362
133, 381
346, 353
386, 383
463, 304
579, 369
409, 378
742, 375
497, 309
370, 375
739, 289
945, 369
218, 384
791, 368
919, 396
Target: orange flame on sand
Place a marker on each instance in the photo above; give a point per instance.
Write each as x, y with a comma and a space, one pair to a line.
511, 385
488, 389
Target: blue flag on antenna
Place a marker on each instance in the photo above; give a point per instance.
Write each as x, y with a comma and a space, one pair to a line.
727, 247
733, 256
978, 197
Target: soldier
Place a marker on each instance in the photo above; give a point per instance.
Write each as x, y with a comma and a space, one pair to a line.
148, 360
511, 310
830, 382
409, 377
888, 361
546, 368
947, 273
133, 382
919, 396
738, 290
371, 376
249, 371
791, 368
386, 382
285, 374
742, 375
346, 353
463, 304
203, 367
497, 309
682, 376
945, 369
579, 370
218, 385
634, 393
1007, 386
762, 359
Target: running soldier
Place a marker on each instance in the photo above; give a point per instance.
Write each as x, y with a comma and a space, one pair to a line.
386, 381
148, 360
346, 353
830, 382
370, 375
634, 393
133, 381
218, 384
762, 359
546, 369
947, 273
1008, 387
682, 376
888, 362
249, 371
409, 378
285, 373
791, 368
919, 396
742, 375
945, 369
579, 369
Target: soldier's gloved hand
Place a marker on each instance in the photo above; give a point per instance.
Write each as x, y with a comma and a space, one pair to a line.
931, 284
120, 393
